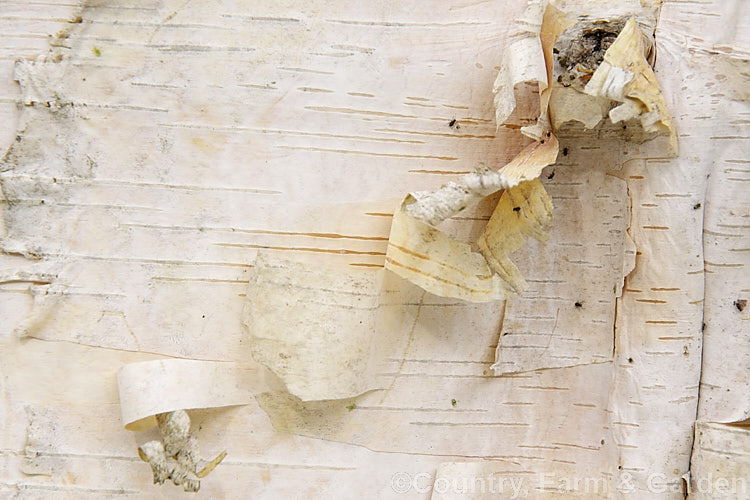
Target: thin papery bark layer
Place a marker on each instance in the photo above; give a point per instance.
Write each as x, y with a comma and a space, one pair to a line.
421, 253
433, 207
150, 388
314, 326
529, 60
522, 212
625, 76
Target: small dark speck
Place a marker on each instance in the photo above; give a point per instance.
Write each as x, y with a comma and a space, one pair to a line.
565, 151
740, 304
203, 315
703, 327
551, 175
452, 123
454, 402
697, 206
506, 333
18, 138
578, 304
624, 127
630, 360
516, 209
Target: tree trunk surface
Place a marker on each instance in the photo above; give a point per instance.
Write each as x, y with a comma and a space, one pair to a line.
154, 147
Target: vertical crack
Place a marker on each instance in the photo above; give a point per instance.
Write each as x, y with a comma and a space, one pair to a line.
703, 324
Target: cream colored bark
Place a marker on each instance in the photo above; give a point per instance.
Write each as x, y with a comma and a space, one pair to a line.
159, 145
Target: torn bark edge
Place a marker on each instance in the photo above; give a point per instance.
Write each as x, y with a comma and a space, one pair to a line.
433, 207
719, 447
182, 447
427, 257
596, 77
630, 255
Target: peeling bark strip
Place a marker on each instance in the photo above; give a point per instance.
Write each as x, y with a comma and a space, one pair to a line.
543, 328
454, 197
612, 55
427, 257
316, 327
151, 388
430, 259
422, 254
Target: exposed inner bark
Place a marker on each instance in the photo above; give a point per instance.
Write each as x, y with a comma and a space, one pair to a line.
581, 49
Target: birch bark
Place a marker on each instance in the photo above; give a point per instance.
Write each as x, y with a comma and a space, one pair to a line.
182, 137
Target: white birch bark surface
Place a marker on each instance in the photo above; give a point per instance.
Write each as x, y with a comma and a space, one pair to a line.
155, 146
